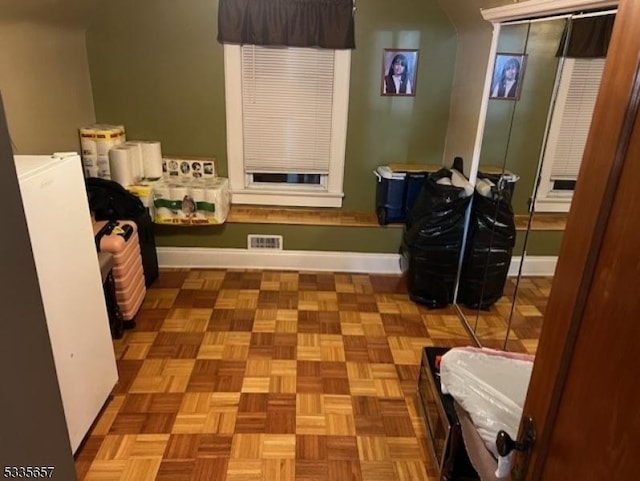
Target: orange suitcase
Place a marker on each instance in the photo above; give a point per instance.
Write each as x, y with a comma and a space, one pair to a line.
120, 238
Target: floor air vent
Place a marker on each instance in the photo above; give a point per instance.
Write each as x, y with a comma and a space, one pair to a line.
264, 242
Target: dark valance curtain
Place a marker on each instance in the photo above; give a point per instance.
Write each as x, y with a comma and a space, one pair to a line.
588, 37
294, 23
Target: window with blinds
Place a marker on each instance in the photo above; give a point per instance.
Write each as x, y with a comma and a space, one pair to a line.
287, 99
287, 112
569, 128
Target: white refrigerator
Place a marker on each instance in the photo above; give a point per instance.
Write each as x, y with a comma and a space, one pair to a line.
61, 234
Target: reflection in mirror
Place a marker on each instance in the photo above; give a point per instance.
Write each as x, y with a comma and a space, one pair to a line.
522, 137
514, 134
530, 154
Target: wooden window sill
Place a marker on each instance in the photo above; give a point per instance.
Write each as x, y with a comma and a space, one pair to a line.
240, 214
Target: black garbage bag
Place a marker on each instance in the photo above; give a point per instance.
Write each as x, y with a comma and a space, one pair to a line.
490, 241
432, 241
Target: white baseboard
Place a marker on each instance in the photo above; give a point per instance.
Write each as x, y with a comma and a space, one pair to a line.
280, 260
315, 261
534, 266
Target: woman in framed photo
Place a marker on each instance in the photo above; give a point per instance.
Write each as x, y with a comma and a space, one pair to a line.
397, 80
399, 70
507, 77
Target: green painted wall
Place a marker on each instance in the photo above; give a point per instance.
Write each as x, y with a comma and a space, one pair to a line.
296, 237
383, 130
514, 131
539, 243
157, 68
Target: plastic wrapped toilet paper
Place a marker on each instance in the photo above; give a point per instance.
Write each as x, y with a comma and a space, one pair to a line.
162, 208
96, 141
180, 195
90, 166
218, 195
104, 170
88, 143
122, 135
198, 194
91, 171
106, 139
191, 202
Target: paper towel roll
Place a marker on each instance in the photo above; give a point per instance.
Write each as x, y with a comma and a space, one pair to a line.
135, 154
120, 166
135, 159
151, 159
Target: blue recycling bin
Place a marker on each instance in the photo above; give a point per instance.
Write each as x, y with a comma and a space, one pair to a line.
397, 190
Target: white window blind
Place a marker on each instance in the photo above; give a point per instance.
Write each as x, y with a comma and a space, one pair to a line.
287, 98
572, 116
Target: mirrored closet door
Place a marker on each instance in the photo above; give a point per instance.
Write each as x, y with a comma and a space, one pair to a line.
541, 86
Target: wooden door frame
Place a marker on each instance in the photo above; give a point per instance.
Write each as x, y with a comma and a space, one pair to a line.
615, 113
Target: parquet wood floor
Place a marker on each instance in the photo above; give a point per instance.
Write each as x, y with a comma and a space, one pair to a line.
526, 314
262, 375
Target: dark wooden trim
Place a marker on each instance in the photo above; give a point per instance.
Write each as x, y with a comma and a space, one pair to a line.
590, 267
604, 156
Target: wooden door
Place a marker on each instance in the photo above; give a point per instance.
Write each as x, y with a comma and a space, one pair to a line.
584, 394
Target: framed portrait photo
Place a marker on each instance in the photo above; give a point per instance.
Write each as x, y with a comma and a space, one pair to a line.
508, 73
399, 72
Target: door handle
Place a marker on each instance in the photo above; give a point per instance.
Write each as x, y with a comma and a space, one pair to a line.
505, 444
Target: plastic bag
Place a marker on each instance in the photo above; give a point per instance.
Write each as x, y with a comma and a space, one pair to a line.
490, 241
490, 385
432, 240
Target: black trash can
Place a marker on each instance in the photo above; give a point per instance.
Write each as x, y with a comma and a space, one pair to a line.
432, 240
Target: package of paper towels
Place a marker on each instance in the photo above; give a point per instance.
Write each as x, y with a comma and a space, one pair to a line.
96, 140
191, 203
